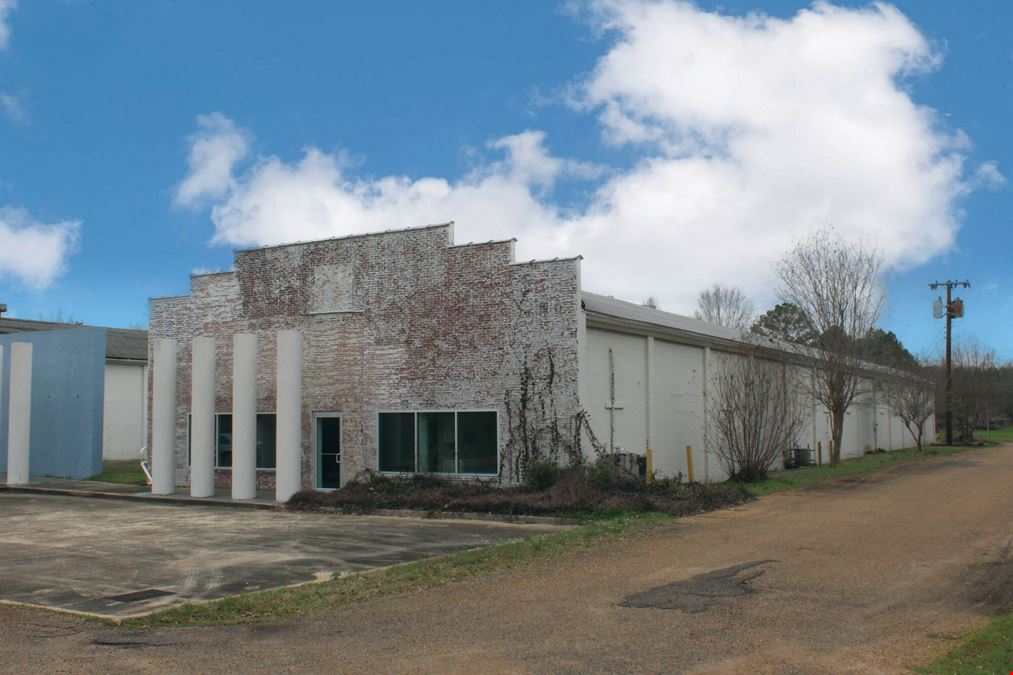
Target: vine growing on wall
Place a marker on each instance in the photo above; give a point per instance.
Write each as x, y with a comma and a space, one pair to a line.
540, 419
536, 429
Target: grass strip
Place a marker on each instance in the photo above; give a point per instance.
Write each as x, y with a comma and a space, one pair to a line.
124, 471
278, 603
1003, 435
791, 479
989, 650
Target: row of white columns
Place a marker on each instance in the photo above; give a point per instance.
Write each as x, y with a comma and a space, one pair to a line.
244, 416
19, 411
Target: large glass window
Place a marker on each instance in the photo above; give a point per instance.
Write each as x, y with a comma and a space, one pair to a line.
476, 433
266, 441
267, 438
223, 441
438, 442
397, 442
435, 441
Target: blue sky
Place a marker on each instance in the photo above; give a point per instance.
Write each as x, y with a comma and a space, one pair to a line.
140, 141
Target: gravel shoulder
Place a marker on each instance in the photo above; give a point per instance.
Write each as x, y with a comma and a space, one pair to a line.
881, 572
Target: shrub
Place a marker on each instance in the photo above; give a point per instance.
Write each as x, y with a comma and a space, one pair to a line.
596, 489
542, 475
603, 474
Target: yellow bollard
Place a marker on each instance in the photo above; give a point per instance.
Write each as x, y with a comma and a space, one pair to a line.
689, 462
650, 466
819, 453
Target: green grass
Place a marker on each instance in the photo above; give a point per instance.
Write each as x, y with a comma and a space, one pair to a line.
282, 602
126, 471
1004, 435
796, 478
989, 650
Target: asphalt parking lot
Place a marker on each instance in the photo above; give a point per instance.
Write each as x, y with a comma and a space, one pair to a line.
119, 558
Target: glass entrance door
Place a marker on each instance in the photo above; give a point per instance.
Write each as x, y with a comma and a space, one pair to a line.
328, 434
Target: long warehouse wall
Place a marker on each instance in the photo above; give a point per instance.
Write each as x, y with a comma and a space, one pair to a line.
642, 391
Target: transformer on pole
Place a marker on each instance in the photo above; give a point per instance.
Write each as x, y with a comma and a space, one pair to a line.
954, 309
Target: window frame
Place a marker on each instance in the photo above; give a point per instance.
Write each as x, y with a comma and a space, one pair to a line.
189, 419
415, 438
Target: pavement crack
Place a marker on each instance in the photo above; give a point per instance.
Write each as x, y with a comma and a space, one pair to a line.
123, 643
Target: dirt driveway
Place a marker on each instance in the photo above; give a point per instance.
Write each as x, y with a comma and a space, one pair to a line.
874, 574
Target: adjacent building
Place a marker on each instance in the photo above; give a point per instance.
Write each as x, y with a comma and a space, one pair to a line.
88, 394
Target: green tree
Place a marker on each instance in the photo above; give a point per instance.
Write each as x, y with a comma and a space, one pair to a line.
785, 321
883, 347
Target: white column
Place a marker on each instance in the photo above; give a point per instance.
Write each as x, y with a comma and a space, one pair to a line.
244, 416
202, 418
163, 418
19, 415
288, 478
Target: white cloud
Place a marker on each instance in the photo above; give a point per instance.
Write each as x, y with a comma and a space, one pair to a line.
529, 163
274, 201
32, 252
215, 148
749, 131
988, 175
14, 107
6, 7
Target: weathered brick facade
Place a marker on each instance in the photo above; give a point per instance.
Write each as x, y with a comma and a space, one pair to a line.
397, 321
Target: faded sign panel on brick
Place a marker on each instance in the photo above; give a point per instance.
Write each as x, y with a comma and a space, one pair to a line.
331, 289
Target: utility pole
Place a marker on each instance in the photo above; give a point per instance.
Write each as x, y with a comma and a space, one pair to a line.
950, 315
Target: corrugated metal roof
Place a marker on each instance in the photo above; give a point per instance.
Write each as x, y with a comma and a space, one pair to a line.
629, 311
621, 309
121, 343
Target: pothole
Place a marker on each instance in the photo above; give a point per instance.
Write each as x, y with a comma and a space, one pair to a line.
699, 593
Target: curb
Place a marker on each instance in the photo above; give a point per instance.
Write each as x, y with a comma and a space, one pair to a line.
183, 500
467, 515
145, 498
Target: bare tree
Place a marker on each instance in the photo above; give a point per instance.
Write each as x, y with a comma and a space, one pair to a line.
725, 306
913, 400
756, 414
836, 284
975, 375
651, 302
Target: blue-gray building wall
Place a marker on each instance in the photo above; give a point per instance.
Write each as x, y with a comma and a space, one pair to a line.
68, 383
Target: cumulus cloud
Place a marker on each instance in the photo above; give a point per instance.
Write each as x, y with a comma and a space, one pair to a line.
988, 175
748, 131
215, 148
14, 107
6, 7
32, 252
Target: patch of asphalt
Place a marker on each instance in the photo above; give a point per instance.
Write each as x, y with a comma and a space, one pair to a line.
989, 585
700, 593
